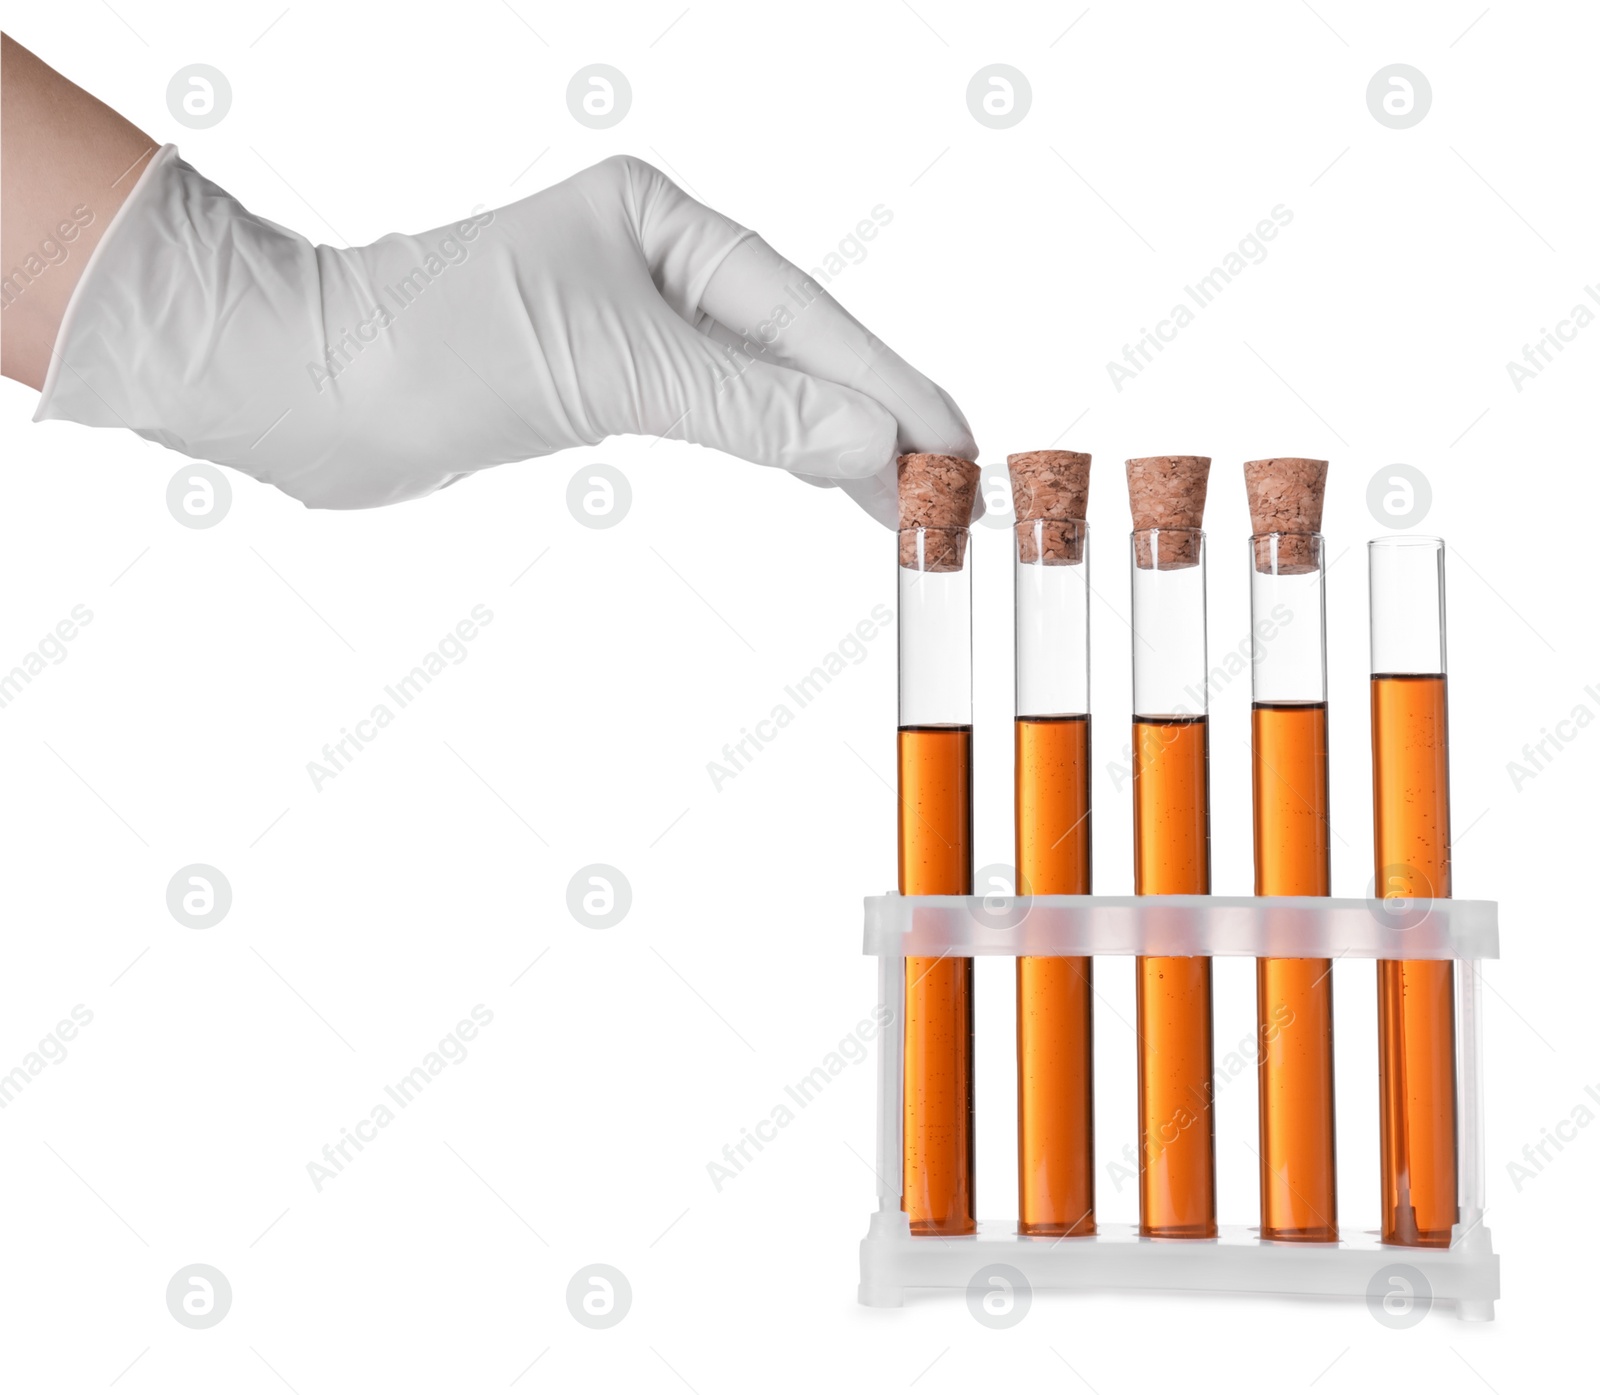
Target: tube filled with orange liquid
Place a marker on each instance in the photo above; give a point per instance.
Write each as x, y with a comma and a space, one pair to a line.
1411, 856
1172, 843
1289, 781
935, 834
1055, 996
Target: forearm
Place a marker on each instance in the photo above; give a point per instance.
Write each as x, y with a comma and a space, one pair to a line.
67, 162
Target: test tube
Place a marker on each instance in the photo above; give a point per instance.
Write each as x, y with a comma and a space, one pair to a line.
1172, 842
1289, 781
1055, 995
935, 833
1411, 856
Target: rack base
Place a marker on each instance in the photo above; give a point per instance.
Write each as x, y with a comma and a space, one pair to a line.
1464, 1278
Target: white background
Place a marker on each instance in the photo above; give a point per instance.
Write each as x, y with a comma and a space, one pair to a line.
370, 917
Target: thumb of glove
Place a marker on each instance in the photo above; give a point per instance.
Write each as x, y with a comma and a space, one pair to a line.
725, 397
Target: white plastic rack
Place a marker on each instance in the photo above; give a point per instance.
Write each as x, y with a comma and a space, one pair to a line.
1465, 1277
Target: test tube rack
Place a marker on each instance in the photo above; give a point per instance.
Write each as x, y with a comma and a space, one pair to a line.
1465, 1277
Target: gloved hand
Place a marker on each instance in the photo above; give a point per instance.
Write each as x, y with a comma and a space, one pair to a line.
610, 304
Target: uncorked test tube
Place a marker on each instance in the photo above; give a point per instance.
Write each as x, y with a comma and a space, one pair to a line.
935, 828
1411, 854
1055, 995
1172, 842
1289, 783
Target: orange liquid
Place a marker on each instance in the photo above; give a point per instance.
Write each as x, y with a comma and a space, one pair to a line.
1055, 1019
936, 860
1172, 856
1294, 997
1416, 998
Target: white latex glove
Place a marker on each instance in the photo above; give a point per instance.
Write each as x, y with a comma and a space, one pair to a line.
353, 377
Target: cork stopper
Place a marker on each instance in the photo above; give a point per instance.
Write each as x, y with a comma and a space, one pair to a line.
1168, 491
936, 491
1286, 497
1051, 487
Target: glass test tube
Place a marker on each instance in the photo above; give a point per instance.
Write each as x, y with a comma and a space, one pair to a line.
1411, 855
1055, 1021
935, 765
1294, 997
1172, 856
